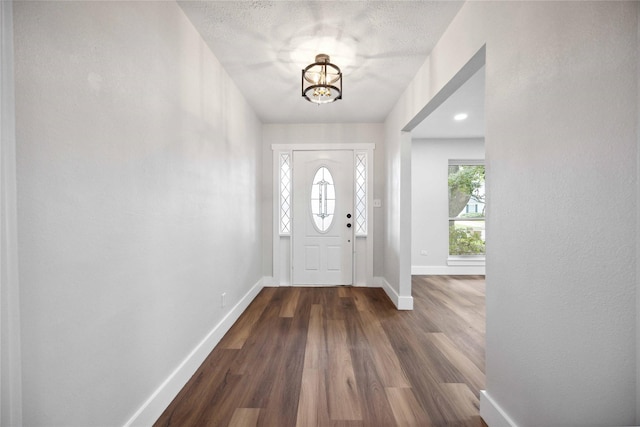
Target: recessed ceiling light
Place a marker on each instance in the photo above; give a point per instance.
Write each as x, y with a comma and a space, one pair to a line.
460, 116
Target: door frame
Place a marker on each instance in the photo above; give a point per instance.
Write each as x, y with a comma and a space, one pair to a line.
282, 243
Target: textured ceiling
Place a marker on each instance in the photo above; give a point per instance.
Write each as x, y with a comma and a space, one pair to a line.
378, 45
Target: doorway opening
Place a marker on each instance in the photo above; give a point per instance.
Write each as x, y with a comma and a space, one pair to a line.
448, 204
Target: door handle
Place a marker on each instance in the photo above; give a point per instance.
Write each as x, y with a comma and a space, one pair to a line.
348, 215
348, 225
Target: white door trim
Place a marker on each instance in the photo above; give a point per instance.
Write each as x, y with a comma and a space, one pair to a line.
10, 320
281, 244
322, 147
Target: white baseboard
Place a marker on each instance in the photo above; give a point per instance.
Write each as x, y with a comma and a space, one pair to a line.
168, 390
267, 281
444, 270
492, 413
401, 302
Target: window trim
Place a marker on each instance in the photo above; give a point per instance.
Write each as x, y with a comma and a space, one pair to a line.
282, 230
466, 260
364, 215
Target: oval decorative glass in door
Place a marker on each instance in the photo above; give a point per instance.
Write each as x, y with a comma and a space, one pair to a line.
323, 199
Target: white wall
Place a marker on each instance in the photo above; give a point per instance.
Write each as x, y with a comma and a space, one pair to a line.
139, 202
561, 124
430, 202
334, 133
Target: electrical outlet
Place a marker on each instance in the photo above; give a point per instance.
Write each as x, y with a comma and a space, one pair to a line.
377, 203
423, 252
223, 299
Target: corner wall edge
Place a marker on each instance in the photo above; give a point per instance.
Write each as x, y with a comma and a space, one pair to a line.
402, 302
492, 413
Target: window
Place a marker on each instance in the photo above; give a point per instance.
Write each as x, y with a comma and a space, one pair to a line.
323, 199
285, 194
361, 194
466, 208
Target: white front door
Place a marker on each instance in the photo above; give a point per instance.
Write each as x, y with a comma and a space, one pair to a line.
322, 217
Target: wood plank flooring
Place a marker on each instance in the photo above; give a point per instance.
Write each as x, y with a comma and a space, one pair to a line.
345, 357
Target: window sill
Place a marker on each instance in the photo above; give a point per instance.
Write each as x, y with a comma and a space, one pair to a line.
468, 260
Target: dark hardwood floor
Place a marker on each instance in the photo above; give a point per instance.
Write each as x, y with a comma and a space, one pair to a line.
345, 357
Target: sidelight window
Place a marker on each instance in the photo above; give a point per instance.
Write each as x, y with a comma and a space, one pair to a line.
361, 194
285, 193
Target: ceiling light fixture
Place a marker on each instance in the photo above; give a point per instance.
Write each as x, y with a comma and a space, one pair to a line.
460, 116
322, 81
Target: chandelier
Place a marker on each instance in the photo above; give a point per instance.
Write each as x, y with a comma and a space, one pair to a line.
322, 81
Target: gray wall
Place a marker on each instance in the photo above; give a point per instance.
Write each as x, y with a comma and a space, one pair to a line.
139, 202
561, 126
